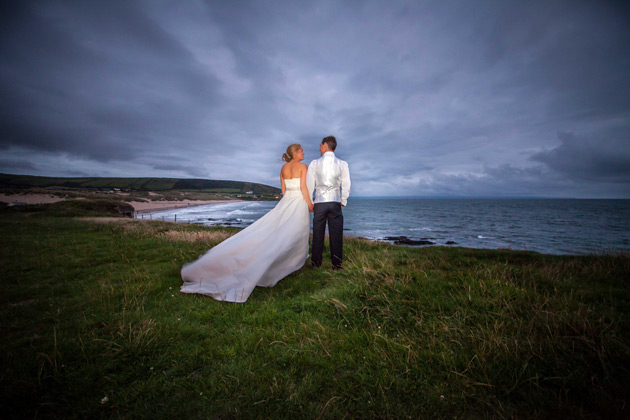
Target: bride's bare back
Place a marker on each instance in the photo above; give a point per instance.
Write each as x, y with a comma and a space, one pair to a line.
293, 169
296, 169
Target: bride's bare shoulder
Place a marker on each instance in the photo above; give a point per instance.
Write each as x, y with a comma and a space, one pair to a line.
283, 170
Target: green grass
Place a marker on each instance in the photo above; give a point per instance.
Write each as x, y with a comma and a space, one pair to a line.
224, 190
169, 195
66, 208
93, 310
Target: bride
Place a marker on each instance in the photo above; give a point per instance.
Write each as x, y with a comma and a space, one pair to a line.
263, 253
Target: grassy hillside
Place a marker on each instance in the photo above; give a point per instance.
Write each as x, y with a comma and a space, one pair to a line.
136, 184
94, 326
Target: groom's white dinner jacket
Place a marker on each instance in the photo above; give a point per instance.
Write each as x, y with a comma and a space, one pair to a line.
329, 177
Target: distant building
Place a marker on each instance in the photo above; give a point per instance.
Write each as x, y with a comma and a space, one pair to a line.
17, 203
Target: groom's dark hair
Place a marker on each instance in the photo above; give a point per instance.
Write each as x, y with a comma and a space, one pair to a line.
331, 141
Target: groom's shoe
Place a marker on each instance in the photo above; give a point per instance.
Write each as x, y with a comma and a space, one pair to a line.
337, 267
313, 265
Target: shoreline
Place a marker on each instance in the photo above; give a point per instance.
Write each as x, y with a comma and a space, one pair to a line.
153, 206
141, 207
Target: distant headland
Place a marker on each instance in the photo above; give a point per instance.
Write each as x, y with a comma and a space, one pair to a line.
142, 193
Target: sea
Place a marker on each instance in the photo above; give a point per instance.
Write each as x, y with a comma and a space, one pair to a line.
550, 226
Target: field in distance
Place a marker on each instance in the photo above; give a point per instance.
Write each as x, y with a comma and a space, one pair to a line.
166, 188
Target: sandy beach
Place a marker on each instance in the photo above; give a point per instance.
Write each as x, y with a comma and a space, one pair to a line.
146, 207
139, 206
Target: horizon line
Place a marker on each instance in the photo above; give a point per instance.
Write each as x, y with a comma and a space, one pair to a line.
480, 197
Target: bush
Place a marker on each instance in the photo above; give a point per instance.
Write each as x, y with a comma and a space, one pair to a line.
73, 208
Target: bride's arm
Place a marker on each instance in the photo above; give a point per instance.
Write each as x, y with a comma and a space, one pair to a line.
282, 186
304, 189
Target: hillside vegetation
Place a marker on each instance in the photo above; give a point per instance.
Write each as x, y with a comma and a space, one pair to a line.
8, 181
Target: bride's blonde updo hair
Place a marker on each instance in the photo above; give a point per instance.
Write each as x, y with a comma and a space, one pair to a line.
288, 156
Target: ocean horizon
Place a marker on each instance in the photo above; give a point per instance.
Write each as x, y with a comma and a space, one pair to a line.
564, 226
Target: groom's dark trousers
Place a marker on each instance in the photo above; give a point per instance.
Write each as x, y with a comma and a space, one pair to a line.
327, 212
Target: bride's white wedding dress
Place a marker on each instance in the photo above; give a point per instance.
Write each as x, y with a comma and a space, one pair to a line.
260, 255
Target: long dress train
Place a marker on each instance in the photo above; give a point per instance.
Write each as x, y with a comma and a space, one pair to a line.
260, 255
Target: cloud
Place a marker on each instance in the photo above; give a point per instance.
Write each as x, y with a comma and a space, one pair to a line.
596, 160
97, 81
11, 165
425, 98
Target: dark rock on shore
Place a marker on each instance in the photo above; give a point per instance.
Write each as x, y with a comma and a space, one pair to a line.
403, 240
412, 242
451, 243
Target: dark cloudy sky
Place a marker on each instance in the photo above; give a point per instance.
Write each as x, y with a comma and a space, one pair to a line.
426, 98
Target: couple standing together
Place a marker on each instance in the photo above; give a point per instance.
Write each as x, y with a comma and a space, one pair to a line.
276, 245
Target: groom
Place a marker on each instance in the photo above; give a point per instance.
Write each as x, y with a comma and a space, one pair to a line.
330, 179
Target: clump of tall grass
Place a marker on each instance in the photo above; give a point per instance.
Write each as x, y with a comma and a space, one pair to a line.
166, 231
205, 236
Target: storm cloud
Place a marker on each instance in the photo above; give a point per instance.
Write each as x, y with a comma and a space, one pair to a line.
457, 98
594, 160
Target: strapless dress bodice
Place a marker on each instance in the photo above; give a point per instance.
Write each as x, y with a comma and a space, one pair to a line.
292, 187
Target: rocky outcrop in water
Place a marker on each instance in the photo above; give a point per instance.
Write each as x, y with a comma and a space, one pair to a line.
403, 240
